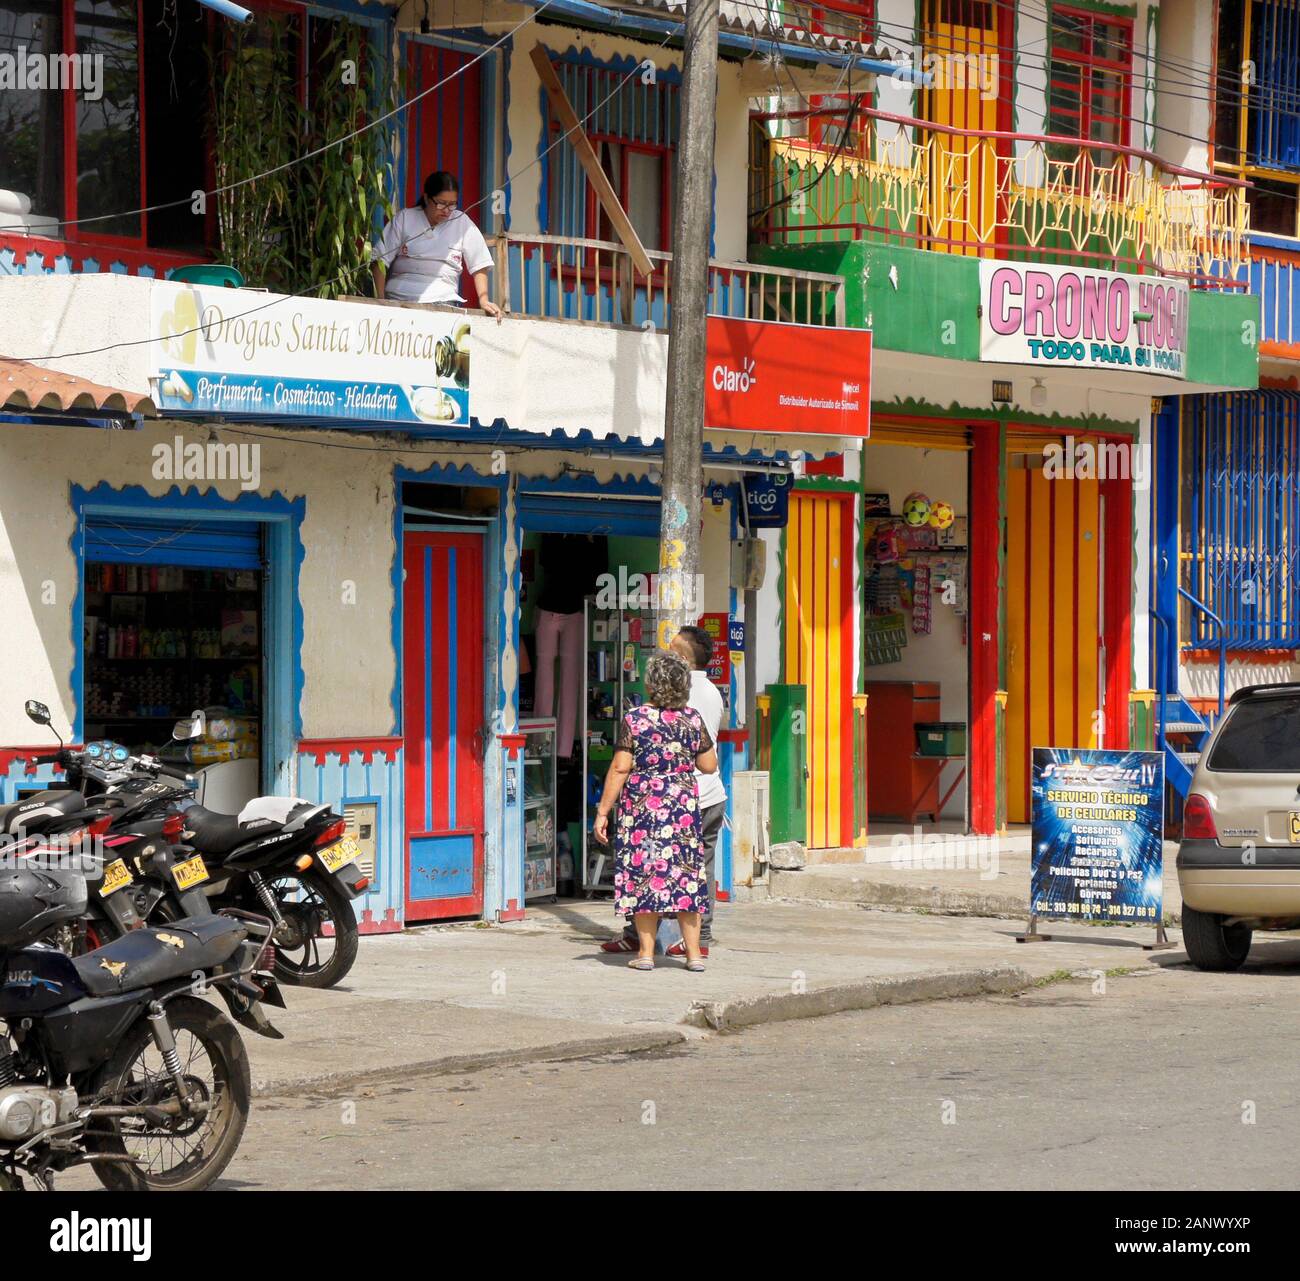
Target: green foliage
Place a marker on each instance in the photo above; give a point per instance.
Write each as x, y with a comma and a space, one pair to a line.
307, 226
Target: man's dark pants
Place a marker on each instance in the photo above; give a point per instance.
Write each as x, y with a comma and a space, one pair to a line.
710, 829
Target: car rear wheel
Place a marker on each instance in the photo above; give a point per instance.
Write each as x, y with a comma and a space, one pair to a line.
1212, 945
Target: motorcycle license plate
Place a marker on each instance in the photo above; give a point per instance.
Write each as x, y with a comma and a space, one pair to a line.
193, 871
116, 877
337, 856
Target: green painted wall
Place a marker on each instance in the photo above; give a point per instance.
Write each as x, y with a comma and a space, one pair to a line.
930, 307
1223, 339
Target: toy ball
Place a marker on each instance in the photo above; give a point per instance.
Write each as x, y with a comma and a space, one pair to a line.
916, 510
941, 514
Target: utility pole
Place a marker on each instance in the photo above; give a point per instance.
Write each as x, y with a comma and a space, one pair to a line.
683, 474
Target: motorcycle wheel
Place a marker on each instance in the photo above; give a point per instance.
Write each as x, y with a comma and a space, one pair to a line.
185, 1153
322, 902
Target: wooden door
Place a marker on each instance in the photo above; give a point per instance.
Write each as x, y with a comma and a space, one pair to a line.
444, 130
818, 612
961, 55
1057, 630
443, 723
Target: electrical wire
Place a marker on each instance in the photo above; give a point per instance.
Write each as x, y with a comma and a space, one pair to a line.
917, 35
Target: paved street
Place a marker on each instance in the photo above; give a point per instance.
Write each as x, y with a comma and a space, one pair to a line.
1142, 1086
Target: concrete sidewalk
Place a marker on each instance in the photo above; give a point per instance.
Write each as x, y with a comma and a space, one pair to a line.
454, 998
960, 877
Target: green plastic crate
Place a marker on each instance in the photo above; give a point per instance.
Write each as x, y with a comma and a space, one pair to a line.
941, 738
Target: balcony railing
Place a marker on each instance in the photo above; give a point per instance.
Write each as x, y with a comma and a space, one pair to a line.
1273, 273
562, 278
29, 255
1030, 197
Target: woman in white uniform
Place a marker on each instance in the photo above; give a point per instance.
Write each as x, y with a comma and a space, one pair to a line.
423, 250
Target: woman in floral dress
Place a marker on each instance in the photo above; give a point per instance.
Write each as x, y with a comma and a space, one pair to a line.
658, 854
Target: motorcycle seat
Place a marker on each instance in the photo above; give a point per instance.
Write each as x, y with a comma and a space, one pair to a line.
148, 956
213, 833
28, 812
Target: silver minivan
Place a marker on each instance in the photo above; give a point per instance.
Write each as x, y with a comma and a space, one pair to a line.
1239, 859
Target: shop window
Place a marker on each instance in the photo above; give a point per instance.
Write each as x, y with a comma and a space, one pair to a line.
1257, 108
1090, 72
79, 149
633, 129
161, 640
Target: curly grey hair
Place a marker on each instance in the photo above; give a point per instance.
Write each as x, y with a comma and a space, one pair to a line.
667, 680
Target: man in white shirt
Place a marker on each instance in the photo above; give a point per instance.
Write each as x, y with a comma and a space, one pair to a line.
695, 645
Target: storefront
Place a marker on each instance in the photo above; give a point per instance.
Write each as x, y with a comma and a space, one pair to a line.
320, 544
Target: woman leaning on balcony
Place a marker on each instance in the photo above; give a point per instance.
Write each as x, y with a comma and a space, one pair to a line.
423, 250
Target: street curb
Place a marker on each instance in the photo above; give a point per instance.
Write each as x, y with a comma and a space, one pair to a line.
940, 985
453, 1064
890, 896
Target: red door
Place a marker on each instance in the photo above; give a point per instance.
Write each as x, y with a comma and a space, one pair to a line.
444, 129
442, 723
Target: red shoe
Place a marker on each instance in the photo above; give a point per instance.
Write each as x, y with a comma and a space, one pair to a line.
619, 944
679, 949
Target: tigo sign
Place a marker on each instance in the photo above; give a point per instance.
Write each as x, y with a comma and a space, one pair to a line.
804, 379
1074, 317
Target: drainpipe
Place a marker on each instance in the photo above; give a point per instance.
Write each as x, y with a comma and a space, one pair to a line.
760, 46
227, 10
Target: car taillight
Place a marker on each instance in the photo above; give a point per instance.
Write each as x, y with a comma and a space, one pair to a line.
1198, 820
334, 832
172, 827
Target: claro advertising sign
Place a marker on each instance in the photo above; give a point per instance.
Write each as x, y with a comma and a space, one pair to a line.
241, 354
1074, 317
802, 379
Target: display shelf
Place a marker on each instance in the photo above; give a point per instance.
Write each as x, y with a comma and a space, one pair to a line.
539, 810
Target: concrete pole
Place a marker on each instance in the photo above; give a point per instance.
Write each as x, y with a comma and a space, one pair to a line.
683, 478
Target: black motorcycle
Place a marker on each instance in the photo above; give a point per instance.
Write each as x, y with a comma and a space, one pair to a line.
280, 856
112, 1059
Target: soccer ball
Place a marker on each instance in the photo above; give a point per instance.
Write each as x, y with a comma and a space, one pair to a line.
941, 514
916, 510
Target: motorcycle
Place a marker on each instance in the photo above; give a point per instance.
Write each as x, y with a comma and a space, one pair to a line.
281, 856
112, 1059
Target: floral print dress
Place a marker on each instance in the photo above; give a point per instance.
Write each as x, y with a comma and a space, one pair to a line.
659, 856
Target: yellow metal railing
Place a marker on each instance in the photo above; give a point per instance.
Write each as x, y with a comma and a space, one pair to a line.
998, 195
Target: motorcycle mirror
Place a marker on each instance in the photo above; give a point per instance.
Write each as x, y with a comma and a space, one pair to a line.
37, 712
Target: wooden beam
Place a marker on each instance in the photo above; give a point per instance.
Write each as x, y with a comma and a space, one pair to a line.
590, 162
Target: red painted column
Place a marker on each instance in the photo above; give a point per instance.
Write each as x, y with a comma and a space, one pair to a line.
985, 543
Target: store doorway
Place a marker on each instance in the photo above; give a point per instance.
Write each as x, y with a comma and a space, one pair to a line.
586, 629
173, 619
916, 587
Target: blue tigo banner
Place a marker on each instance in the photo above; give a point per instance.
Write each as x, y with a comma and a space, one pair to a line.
1098, 833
